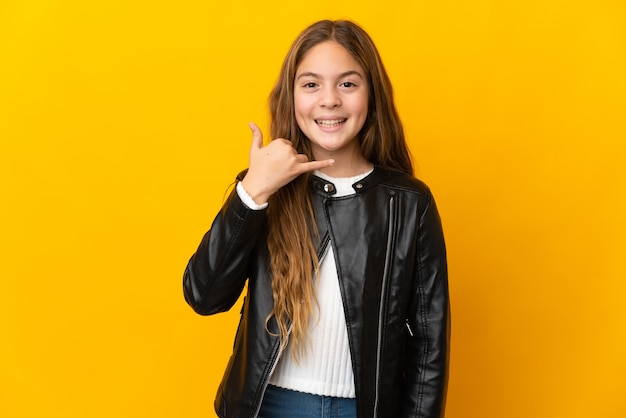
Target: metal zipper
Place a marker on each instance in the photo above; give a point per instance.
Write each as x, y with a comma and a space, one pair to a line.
383, 305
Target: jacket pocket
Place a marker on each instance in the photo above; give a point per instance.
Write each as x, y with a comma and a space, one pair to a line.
408, 328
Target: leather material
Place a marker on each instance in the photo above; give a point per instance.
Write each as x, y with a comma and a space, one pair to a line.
391, 261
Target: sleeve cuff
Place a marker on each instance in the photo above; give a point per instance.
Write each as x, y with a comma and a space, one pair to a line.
247, 200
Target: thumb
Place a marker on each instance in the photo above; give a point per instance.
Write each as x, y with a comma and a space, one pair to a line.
257, 136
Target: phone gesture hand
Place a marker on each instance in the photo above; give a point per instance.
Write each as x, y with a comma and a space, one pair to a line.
274, 165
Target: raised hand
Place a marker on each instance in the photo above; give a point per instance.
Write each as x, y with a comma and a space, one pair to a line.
274, 165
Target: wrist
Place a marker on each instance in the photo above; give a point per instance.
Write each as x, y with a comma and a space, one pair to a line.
257, 195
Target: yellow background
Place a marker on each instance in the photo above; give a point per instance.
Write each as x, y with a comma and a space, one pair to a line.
123, 122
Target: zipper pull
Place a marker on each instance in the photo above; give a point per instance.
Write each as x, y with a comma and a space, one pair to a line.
408, 328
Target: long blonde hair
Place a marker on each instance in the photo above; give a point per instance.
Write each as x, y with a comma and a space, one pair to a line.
293, 257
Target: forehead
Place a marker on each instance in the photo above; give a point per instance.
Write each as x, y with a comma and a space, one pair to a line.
328, 58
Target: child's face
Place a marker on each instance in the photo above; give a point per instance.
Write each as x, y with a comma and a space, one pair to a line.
330, 98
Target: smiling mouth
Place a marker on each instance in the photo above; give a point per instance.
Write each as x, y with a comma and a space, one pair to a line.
330, 123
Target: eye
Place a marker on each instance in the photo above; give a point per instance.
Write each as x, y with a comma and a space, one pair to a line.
310, 85
348, 84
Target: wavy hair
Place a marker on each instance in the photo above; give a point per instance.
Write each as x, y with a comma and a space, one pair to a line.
293, 257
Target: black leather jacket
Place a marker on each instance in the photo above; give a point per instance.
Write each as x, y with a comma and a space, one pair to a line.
391, 260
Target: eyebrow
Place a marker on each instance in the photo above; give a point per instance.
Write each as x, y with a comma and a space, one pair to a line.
317, 76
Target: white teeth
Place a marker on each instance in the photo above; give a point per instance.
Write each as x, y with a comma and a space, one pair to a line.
330, 123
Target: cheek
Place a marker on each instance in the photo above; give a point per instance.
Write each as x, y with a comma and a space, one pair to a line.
301, 104
298, 106
359, 102
300, 112
362, 106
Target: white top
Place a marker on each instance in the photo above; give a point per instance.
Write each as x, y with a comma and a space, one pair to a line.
325, 367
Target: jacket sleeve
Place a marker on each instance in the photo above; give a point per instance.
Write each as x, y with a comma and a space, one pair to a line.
428, 347
216, 273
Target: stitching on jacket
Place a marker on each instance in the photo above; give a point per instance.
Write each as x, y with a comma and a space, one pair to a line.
423, 316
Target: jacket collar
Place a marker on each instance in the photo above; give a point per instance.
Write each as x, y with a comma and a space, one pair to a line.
326, 188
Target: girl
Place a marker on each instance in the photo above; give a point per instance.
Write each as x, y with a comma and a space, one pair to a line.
346, 312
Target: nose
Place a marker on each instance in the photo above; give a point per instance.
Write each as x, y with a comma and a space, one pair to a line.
330, 98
